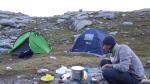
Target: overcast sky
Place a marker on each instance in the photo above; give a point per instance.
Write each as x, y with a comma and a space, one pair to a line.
56, 7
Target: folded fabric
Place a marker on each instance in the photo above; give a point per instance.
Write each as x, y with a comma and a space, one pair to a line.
62, 70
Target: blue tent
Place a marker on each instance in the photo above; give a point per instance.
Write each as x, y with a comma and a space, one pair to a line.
90, 42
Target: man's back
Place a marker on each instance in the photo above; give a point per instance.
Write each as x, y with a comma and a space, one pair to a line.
126, 60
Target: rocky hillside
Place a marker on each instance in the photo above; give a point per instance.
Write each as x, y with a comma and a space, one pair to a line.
132, 28
11, 25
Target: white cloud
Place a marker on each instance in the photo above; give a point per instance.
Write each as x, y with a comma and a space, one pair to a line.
53, 7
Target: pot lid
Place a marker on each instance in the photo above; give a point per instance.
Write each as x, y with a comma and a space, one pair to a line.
77, 68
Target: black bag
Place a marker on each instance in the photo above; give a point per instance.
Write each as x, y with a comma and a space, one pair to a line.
26, 54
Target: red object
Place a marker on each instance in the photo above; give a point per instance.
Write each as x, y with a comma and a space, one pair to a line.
61, 81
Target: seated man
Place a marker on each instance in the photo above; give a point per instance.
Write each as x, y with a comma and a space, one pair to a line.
124, 67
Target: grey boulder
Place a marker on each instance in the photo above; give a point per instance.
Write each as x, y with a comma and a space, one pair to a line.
80, 24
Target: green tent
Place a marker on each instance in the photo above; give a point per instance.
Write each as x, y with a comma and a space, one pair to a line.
31, 41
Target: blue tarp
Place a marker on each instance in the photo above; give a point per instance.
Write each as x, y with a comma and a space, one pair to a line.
90, 42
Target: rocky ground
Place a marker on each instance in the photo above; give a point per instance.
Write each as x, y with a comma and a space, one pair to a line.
131, 28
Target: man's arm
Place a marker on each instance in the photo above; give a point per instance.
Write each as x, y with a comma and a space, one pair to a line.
125, 59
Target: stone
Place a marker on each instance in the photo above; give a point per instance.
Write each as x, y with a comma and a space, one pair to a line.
123, 15
2, 37
52, 57
68, 42
12, 23
106, 15
113, 33
65, 16
125, 35
16, 31
100, 22
14, 20
82, 15
21, 76
127, 43
124, 32
80, 10
64, 39
23, 19
87, 29
35, 82
148, 61
60, 20
80, 24
35, 28
8, 68
6, 28
2, 82
5, 43
42, 70
3, 50
6, 12
145, 81
7, 22
13, 37
23, 81
45, 29
75, 36
4, 16
143, 11
91, 16
127, 23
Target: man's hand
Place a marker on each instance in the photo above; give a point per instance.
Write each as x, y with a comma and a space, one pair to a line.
107, 66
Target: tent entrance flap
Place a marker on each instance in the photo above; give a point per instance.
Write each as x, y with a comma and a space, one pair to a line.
23, 50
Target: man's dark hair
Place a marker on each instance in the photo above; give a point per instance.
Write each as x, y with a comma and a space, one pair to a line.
109, 40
